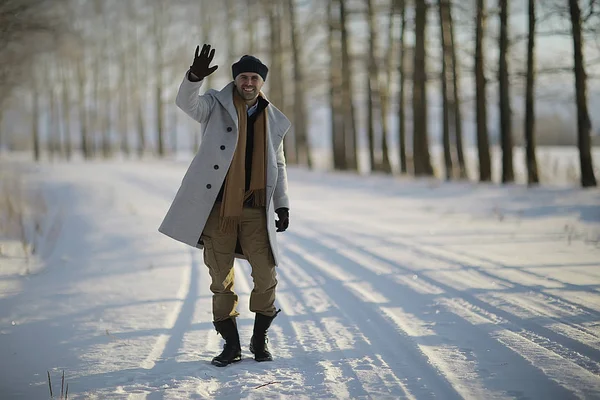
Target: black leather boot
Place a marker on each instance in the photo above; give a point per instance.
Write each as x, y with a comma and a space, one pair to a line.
232, 351
259, 340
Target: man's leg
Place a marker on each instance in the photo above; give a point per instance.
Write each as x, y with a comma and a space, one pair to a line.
219, 256
254, 240
256, 246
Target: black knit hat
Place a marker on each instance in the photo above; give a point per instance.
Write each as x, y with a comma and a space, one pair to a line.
249, 64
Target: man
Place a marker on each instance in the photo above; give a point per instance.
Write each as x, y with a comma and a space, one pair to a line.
233, 187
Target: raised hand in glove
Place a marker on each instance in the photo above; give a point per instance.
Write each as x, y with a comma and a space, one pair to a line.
284, 219
200, 67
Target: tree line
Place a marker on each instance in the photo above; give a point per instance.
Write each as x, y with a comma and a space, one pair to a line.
97, 78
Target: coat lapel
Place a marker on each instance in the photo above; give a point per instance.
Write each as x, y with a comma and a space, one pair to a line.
225, 97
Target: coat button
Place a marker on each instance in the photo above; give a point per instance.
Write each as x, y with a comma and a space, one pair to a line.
222, 147
216, 167
229, 129
208, 186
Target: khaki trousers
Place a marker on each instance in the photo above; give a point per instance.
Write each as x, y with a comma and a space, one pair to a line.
219, 249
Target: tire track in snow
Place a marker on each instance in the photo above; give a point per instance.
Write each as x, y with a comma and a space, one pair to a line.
495, 273
181, 314
556, 313
552, 311
418, 250
160, 360
459, 353
514, 323
179, 319
408, 363
349, 367
526, 346
289, 333
316, 349
455, 255
501, 304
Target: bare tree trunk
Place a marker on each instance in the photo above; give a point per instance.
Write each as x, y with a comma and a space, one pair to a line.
207, 26
103, 80
123, 88
250, 25
159, 115
335, 98
483, 145
350, 132
159, 105
275, 83
276, 67
124, 109
81, 102
300, 122
35, 118
230, 33
97, 109
584, 125
159, 15
532, 171
401, 95
455, 112
443, 8
273, 8
66, 110
107, 149
505, 111
420, 142
372, 84
140, 76
51, 132
385, 93
1, 126
141, 131
291, 142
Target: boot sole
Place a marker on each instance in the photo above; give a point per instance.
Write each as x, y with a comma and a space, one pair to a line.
218, 363
259, 359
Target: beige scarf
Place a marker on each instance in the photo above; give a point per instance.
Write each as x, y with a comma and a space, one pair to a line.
234, 194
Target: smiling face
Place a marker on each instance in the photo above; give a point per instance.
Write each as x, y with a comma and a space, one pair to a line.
248, 85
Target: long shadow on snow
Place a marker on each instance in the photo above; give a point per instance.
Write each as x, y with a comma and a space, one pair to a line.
447, 326
516, 287
165, 362
582, 348
408, 363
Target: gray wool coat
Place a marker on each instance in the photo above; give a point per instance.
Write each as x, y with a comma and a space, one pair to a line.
201, 183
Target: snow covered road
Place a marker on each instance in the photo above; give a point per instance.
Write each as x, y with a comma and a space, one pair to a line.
389, 289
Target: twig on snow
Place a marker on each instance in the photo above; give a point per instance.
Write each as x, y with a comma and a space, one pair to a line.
266, 384
49, 384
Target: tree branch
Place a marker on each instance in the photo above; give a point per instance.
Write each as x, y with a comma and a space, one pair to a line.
591, 12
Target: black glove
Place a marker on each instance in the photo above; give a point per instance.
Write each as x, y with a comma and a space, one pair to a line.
284, 219
200, 66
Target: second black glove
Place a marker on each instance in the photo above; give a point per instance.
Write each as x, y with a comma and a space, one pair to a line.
284, 219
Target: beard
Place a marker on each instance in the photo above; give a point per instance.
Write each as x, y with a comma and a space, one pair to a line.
247, 95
